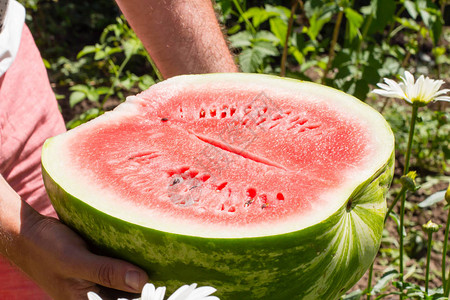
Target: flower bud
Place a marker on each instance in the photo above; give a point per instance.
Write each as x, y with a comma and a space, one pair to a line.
431, 227
408, 181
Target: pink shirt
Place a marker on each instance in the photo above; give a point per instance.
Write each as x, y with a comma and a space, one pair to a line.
28, 115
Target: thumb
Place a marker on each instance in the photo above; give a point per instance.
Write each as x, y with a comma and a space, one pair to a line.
116, 274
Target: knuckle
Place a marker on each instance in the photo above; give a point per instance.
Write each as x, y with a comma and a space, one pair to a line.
105, 275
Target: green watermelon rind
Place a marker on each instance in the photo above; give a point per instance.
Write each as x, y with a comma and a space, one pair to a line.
320, 260
331, 257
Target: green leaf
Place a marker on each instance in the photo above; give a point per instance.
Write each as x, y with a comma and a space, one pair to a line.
46, 63
241, 39
99, 54
279, 29
86, 50
250, 59
76, 97
80, 88
258, 15
387, 277
92, 95
411, 8
234, 29
102, 90
145, 81
319, 18
264, 35
280, 11
131, 47
355, 295
299, 57
383, 12
355, 21
432, 199
266, 48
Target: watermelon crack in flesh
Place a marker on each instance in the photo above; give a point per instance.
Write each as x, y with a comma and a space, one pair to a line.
257, 185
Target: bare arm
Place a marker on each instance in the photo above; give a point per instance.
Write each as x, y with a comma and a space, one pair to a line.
182, 36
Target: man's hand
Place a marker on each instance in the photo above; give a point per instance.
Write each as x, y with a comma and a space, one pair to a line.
55, 257
59, 261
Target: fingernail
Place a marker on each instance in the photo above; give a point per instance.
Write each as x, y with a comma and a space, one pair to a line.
132, 280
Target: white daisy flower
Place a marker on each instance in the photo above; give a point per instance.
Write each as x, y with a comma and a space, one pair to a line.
420, 93
186, 292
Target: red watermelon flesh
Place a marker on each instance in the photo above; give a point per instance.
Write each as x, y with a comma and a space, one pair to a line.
237, 160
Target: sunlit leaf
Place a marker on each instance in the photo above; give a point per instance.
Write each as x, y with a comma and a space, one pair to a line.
279, 29
250, 59
355, 21
75, 98
432, 199
241, 39
386, 278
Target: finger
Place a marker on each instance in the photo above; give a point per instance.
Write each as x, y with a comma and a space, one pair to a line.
113, 273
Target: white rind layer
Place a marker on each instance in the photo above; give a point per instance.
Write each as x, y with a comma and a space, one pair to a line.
58, 165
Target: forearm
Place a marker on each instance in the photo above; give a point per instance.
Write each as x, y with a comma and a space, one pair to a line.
181, 36
16, 217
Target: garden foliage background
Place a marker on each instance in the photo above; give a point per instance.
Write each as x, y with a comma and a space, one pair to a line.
95, 60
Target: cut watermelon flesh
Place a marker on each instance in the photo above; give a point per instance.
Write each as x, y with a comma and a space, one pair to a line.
213, 162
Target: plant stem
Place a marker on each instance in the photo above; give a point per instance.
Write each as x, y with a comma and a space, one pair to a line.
333, 44
405, 171
369, 282
155, 68
286, 42
400, 194
427, 272
415, 109
444, 253
241, 12
116, 79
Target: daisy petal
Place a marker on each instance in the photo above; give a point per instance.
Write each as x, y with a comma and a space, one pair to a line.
420, 92
93, 296
182, 292
443, 98
159, 293
201, 292
148, 292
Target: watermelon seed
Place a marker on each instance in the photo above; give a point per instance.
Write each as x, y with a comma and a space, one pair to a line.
264, 205
212, 112
164, 119
280, 197
175, 181
247, 204
232, 111
202, 113
223, 114
232, 209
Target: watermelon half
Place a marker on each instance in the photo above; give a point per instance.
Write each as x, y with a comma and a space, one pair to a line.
265, 188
